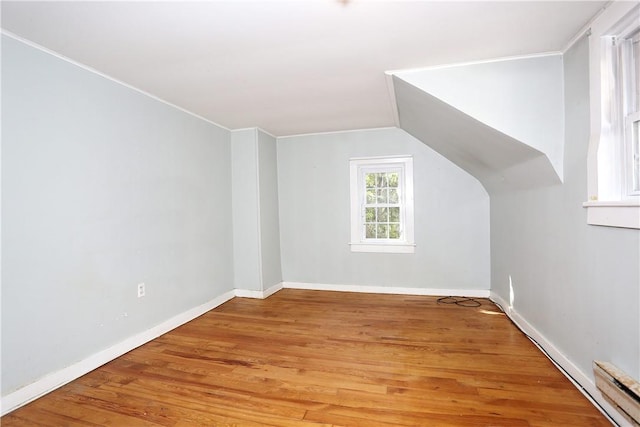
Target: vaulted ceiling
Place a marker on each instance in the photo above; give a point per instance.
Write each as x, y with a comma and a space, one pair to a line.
288, 67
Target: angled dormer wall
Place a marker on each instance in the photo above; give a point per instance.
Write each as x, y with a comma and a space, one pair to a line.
501, 121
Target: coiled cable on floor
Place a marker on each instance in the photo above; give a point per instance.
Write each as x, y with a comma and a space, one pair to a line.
461, 301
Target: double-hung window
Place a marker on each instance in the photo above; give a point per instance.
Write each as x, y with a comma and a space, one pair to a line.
614, 153
630, 60
382, 204
623, 99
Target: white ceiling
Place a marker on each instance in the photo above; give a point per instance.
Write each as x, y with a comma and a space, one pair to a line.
288, 67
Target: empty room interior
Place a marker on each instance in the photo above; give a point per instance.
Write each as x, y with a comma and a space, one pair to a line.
323, 212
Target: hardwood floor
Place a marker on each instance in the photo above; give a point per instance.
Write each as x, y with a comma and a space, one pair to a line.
310, 358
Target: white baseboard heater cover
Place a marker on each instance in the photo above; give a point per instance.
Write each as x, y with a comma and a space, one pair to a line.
619, 389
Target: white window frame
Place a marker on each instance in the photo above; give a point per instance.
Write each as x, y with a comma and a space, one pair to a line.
610, 199
358, 168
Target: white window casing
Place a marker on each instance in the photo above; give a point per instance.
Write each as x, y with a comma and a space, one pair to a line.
382, 211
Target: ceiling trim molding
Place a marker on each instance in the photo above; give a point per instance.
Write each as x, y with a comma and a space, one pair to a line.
258, 128
482, 61
106, 76
337, 131
586, 29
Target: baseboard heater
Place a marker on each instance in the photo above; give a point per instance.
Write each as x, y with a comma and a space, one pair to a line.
619, 389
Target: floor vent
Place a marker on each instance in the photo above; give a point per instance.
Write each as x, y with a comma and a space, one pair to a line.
619, 389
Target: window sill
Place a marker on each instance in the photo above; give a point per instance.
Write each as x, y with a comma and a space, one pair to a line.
393, 248
624, 214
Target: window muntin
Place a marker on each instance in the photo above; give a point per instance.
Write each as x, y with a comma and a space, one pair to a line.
382, 204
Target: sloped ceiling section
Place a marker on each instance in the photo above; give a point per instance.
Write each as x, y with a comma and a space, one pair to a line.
497, 160
502, 121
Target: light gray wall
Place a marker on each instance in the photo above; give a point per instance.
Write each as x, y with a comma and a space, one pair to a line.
451, 215
269, 213
102, 188
576, 284
246, 214
256, 233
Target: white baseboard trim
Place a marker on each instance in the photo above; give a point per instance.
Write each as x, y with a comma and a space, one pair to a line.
272, 290
247, 293
476, 293
59, 378
578, 378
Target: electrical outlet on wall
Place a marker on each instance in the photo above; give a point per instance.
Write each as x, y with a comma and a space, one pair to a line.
141, 290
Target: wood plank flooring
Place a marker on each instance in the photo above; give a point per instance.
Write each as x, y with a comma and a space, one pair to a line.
312, 358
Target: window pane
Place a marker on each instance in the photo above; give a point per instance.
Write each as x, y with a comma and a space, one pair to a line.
381, 179
370, 180
394, 231
393, 195
383, 215
382, 196
371, 196
394, 214
383, 231
393, 179
370, 231
370, 214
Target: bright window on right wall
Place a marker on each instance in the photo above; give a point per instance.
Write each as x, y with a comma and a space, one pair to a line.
622, 70
614, 152
631, 63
